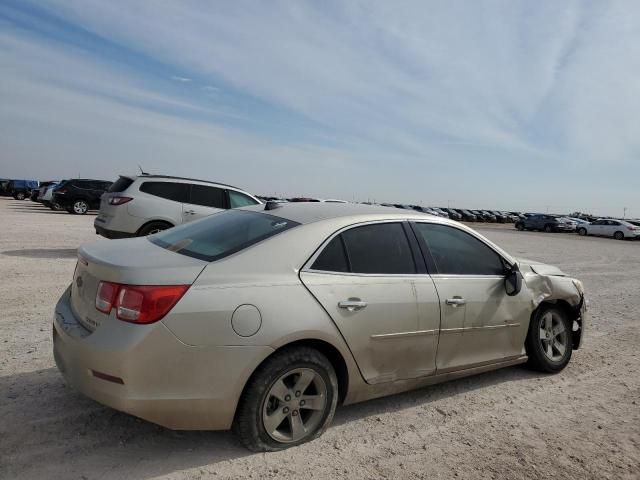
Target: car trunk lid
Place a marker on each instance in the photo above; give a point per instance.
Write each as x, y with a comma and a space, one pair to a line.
131, 262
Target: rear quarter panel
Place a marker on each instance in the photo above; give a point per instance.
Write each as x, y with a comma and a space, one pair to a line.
265, 276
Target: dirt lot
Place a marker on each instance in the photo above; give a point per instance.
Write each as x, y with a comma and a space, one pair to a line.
582, 423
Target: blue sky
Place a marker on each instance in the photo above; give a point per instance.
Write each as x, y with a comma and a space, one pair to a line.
493, 104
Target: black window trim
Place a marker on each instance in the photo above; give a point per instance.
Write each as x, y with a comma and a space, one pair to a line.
431, 264
413, 246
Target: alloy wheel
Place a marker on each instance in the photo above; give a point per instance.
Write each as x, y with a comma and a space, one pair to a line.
554, 338
295, 405
80, 207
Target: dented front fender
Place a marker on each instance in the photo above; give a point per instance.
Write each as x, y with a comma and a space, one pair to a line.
548, 284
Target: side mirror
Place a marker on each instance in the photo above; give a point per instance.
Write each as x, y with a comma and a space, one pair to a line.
513, 282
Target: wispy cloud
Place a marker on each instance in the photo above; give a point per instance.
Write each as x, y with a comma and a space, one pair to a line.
411, 98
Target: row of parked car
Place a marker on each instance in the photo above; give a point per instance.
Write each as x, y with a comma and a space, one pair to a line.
162, 202
620, 229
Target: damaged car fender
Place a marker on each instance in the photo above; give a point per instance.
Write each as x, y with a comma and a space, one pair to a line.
549, 284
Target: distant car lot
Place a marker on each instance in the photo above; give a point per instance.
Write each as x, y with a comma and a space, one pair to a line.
43, 419
139, 205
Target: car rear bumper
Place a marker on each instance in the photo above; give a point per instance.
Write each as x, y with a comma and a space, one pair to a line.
112, 234
144, 370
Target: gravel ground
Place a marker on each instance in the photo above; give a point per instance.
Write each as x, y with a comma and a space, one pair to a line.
513, 423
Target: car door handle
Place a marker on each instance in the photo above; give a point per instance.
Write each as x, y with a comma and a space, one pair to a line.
189, 212
455, 301
352, 304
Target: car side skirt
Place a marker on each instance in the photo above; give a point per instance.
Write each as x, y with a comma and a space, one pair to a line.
365, 391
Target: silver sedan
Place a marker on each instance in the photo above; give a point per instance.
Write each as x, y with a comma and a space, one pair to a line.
264, 319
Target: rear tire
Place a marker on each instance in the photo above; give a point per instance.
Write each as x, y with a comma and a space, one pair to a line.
520, 226
548, 228
19, 196
79, 207
549, 342
618, 235
582, 231
290, 421
153, 227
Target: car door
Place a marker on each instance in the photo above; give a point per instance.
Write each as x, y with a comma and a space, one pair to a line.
480, 323
163, 201
96, 189
611, 228
204, 200
596, 228
366, 278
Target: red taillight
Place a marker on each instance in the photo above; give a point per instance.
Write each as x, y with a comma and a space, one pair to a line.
106, 296
61, 191
138, 303
119, 200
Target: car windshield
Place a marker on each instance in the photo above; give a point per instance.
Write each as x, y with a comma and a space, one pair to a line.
221, 234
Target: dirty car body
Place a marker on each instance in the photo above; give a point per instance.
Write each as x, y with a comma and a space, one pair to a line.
388, 300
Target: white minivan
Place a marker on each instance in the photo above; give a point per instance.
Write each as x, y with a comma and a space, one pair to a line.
140, 205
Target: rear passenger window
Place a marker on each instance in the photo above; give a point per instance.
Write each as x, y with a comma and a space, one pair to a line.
333, 258
237, 200
207, 196
457, 253
380, 248
178, 192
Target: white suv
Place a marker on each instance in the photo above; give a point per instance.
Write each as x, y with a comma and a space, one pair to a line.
141, 205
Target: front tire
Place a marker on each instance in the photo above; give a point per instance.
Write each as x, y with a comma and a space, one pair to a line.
582, 232
289, 400
548, 228
549, 343
20, 196
618, 235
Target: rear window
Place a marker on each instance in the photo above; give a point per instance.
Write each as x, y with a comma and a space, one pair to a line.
120, 185
221, 234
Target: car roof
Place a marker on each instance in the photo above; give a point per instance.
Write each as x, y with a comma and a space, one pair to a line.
186, 179
86, 180
339, 215
310, 212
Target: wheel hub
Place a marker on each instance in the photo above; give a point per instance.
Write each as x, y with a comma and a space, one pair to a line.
295, 405
554, 338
